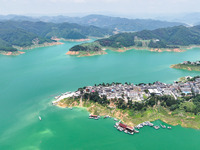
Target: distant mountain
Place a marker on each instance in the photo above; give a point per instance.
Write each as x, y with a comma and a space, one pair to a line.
121, 24
188, 18
24, 33
124, 24
172, 37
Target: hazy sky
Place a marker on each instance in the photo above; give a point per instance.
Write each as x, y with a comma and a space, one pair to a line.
97, 6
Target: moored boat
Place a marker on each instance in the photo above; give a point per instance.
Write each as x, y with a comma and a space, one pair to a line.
156, 127
115, 119
163, 126
136, 131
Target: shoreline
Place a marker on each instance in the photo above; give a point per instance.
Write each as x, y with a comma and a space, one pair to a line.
124, 49
21, 49
123, 115
185, 67
71, 40
15, 53
85, 54
38, 46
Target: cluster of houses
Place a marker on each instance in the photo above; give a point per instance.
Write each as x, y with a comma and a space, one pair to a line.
190, 63
141, 91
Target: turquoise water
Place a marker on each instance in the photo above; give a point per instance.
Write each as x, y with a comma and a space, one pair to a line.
29, 82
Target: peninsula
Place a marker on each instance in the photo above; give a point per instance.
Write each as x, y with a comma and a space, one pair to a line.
187, 65
22, 35
176, 104
172, 39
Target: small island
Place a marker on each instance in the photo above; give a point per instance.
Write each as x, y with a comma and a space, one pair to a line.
175, 104
187, 65
86, 49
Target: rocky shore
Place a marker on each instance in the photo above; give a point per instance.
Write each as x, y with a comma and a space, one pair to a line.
38, 45
85, 53
157, 113
11, 53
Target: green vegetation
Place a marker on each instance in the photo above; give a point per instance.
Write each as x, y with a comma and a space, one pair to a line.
184, 111
23, 34
186, 67
159, 38
173, 37
87, 47
191, 66
18, 37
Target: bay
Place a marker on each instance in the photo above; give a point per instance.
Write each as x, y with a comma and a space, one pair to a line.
29, 82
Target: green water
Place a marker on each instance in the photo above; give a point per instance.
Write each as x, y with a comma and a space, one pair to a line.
29, 82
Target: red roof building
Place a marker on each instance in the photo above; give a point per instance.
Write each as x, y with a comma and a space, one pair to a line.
129, 128
122, 125
93, 116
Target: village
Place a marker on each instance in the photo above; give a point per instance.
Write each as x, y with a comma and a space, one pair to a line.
141, 91
138, 93
190, 63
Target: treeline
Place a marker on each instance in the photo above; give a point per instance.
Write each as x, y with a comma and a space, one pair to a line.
186, 103
164, 38
94, 97
118, 40
172, 37
87, 47
22, 34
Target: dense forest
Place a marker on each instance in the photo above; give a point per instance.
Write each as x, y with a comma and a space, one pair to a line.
159, 38
87, 47
25, 33
172, 37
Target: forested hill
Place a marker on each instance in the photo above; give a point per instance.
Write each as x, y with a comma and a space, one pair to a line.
24, 33
159, 38
18, 37
122, 24
172, 37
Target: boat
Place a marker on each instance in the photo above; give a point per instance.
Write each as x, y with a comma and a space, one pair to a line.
40, 118
139, 126
136, 131
71, 108
169, 127
163, 126
149, 123
125, 131
144, 124
115, 119
156, 127
131, 133
106, 116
